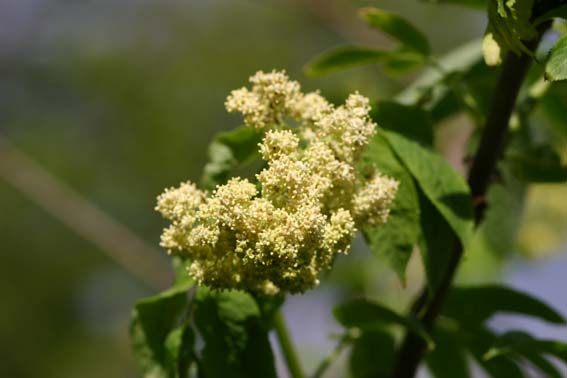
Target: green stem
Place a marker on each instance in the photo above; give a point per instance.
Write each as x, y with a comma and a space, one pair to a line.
287, 348
327, 362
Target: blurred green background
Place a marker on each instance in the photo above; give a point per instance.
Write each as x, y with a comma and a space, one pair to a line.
114, 100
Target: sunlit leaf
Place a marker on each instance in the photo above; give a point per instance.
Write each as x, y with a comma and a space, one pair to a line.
403, 61
344, 57
398, 28
394, 241
442, 185
556, 66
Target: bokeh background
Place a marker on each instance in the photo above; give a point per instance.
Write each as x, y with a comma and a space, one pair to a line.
103, 103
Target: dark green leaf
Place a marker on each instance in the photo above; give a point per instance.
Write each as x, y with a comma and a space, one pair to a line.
228, 151
180, 270
410, 121
344, 57
498, 231
368, 315
394, 241
556, 66
521, 342
448, 359
447, 203
372, 355
547, 368
555, 110
557, 12
435, 251
179, 351
474, 305
537, 164
442, 185
478, 343
242, 141
396, 27
236, 342
403, 61
153, 321
268, 306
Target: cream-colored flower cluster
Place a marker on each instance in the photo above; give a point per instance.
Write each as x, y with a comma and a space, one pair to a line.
281, 234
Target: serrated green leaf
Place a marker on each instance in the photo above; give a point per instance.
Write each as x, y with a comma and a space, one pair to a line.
227, 151
372, 355
344, 57
448, 359
474, 305
440, 183
367, 315
394, 241
153, 320
236, 342
398, 28
556, 66
409, 132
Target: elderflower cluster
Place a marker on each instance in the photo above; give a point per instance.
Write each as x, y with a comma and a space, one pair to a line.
279, 234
